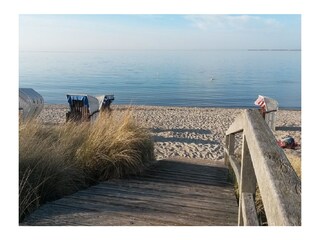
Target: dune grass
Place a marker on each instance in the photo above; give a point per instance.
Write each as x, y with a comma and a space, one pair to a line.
57, 160
295, 162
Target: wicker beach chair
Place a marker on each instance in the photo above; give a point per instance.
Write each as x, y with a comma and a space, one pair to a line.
269, 108
82, 107
85, 107
105, 102
30, 103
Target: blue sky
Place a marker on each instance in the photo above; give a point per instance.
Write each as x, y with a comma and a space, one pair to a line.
97, 32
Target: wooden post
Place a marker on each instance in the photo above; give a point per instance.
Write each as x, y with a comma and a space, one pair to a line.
230, 141
226, 156
248, 180
249, 211
231, 144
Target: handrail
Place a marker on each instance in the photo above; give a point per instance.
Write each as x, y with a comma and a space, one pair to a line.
265, 164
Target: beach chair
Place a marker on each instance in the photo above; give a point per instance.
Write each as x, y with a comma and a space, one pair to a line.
269, 108
82, 107
105, 102
30, 103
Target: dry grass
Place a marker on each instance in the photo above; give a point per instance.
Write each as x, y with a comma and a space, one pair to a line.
115, 147
295, 161
58, 160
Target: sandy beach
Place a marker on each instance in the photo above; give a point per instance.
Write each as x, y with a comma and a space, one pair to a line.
189, 132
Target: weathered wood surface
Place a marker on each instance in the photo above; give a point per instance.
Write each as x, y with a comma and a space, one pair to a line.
265, 164
229, 145
280, 187
249, 212
233, 163
237, 125
247, 183
188, 192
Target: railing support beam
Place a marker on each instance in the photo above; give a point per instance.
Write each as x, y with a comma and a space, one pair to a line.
230, 143
248, 181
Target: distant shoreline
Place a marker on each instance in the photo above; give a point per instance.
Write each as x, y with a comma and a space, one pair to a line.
172, 106
174, 50
275, 50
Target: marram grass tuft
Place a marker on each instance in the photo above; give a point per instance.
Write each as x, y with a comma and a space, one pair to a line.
57, 160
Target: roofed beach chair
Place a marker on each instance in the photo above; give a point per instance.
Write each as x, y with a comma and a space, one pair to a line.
30, 103
105, 102
82, 107
269, 107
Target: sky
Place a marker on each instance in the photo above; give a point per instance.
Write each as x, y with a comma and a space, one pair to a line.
41, 32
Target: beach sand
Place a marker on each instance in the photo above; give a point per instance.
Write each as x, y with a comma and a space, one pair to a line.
187, 131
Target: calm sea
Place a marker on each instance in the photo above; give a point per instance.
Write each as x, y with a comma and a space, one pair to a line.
169, 78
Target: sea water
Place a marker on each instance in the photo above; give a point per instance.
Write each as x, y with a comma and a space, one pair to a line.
200, 78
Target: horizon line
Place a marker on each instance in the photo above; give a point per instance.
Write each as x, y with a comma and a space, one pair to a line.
168, 49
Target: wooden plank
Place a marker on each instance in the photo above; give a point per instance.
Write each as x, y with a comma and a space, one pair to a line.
115, 218
249, 212
279, 185
229, 147
248, 180
176, 192
226, 151
226, 199
232, 141
213, 202
107, 206
149, 180
186, 176
235, 166
173, 179
164, 182
164, 189
135, 208
236, 126
76, 217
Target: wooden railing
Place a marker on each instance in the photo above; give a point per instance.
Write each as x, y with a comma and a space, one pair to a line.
265, 165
